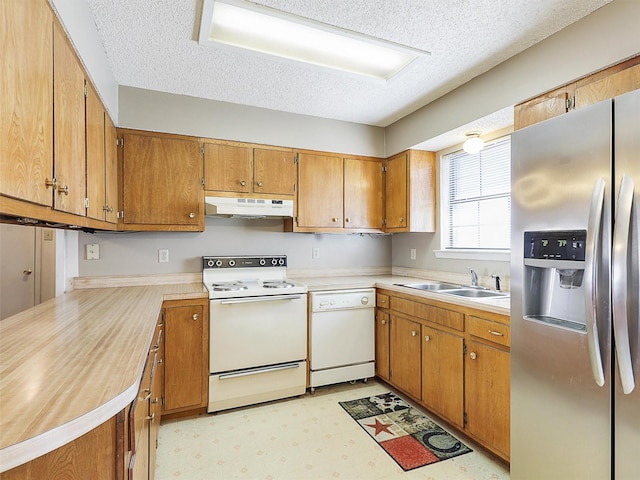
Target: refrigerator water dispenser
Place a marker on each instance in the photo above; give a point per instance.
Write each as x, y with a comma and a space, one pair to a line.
553, 291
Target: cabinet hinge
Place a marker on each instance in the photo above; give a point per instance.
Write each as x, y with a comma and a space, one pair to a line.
120, 142
296, 219
202, 149
294, 188
86, 90
384, 221
464, 418
295, 159
384, 168
464, 349
86, 202
120, 214
202, 181
570, 103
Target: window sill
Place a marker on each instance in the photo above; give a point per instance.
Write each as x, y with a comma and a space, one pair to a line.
461, 254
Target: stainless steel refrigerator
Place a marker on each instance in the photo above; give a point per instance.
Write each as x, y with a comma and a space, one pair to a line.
575, 363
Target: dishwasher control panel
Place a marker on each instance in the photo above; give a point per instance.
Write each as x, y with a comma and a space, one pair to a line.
343, 299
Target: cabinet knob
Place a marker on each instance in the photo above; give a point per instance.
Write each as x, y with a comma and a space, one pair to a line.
401, 219
413, 333
259, 184
243, 183
347, 219
334, 219
384, 322
63, 189
195, 316
155, 400
427, 338
50, 183
473, 355
151, 417
192, 215
497, 334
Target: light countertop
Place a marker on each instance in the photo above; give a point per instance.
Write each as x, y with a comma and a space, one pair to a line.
71, 363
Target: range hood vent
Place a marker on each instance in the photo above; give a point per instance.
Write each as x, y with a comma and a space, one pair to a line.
248, 207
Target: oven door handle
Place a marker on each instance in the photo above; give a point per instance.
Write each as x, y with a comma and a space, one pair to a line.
256, 371
272, 298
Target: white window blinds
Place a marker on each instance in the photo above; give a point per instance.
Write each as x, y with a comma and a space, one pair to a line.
477, 198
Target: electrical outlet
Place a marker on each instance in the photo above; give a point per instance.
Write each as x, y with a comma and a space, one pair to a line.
163, 256
315, 252
413, 254
93, 251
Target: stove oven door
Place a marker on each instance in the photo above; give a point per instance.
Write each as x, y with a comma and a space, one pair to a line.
257, 331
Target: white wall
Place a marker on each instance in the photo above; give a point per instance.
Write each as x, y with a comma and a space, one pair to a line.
165, 112
603, 38
127, 253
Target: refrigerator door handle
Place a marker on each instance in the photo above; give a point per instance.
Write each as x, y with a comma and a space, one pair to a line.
592, 266
619, 275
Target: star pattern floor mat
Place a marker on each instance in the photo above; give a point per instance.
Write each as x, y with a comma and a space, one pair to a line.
406, 434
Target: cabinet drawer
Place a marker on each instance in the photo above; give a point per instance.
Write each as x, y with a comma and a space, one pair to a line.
441, 316
491, 331
382, 300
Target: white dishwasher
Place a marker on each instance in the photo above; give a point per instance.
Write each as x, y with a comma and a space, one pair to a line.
342, 339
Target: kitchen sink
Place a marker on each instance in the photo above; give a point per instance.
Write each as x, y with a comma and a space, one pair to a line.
474, 293
431, 287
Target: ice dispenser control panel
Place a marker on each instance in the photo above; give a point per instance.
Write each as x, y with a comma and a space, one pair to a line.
555, 245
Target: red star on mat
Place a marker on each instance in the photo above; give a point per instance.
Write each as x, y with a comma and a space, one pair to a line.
381, 427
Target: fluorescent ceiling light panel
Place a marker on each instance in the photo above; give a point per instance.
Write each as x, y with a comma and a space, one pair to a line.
269, 31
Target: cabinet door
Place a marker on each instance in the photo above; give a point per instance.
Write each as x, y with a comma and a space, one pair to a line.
442, 374
184, 376
111, 170
274, 172
396, 191
382, 344
541, 108
610, 86
26, 108
320, 191
68, 126
487, 396
227, 168
362, 194
95, 155
405, 355
157, 378
161, 180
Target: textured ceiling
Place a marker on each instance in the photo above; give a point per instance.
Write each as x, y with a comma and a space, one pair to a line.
152, 44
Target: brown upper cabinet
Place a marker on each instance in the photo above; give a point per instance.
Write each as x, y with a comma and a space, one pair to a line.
26, 109
53, 150
246, 169
410, 192
602, 85
68, 127
102, 177
337, 194
161, 182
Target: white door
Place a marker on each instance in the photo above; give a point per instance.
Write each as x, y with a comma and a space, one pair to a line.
27, 267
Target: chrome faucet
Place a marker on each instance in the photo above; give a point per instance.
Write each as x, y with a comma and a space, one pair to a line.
474, 277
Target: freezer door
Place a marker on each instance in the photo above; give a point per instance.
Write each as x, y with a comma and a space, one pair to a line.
626, 291
560, 416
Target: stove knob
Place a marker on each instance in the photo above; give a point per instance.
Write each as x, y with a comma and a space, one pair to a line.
281, 261
262, 262
232, 263
274, 261
218, 263
210, 263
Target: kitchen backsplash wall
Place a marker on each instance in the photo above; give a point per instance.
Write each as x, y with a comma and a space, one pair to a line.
134, 253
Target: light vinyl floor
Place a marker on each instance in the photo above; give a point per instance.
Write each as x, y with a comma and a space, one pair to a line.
302, 438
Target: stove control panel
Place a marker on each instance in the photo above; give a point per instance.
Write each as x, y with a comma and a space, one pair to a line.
244, 262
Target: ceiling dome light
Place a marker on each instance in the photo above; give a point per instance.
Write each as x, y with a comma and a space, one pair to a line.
473, 144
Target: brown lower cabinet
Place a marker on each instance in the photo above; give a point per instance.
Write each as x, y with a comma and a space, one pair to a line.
452, 360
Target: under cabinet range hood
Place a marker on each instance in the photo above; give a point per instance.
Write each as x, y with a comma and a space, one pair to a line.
248, 207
